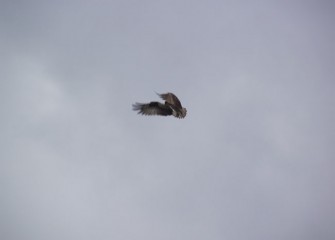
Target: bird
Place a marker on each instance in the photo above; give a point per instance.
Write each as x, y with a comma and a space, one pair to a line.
172, 106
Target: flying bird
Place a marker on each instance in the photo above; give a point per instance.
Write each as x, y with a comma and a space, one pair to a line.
172, 106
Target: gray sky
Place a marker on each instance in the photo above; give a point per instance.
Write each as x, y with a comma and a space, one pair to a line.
253, 159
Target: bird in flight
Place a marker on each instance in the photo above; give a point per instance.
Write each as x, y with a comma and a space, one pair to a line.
172, 106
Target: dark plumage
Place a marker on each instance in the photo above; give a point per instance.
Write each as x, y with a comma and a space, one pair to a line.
172, 106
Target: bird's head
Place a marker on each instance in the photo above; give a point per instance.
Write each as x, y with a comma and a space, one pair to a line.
180, 113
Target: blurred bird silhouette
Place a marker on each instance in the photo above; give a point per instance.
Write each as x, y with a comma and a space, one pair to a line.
172, 106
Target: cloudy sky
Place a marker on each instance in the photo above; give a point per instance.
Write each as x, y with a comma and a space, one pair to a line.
253, 159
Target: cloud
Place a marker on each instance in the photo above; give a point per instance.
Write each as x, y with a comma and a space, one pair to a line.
252, 159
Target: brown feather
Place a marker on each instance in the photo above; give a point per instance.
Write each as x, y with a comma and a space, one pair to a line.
171, 99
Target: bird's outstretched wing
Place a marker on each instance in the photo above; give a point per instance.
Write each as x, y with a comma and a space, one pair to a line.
171, 99
152, 108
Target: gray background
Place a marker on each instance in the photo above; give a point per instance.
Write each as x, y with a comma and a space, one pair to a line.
253, 159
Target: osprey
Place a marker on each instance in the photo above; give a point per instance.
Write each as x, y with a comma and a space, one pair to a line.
172, 106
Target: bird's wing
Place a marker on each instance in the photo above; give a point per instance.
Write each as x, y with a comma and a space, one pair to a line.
152, 108
171, 99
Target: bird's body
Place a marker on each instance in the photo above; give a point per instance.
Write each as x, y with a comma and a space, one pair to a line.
172, 106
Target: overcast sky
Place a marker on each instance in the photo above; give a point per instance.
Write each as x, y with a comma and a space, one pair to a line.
253, 159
